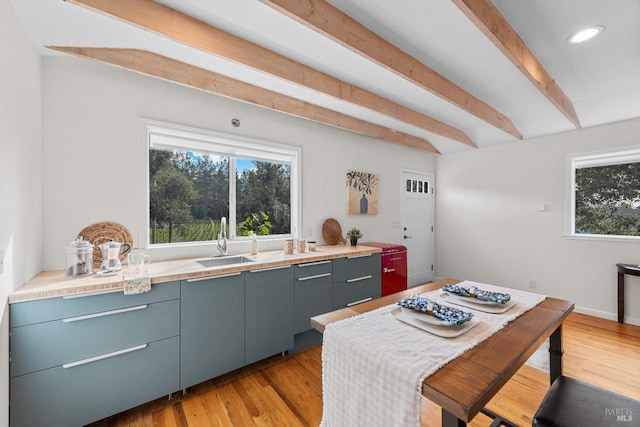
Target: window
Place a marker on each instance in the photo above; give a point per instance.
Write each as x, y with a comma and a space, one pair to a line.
605, 191
196, 177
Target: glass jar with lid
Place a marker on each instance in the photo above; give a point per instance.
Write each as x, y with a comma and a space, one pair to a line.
79, 258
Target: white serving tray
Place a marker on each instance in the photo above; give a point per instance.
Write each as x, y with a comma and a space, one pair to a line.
477, 305
447, 330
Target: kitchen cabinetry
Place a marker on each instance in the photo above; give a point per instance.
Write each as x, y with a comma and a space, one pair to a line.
268, 312
81, 358
75, 360
212, 327
356, 279
313, 293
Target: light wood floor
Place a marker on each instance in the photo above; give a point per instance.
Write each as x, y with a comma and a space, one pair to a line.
287, 391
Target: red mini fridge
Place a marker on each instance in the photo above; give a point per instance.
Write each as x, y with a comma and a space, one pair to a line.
394, 267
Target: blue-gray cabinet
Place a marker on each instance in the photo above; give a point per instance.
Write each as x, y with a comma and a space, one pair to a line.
268, 312
312, 292
212, 327
75, 360
356, 279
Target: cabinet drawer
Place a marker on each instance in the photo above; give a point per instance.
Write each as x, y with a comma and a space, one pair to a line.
44, 345
358, 289
313, 296
26, 313
78, 395
356, 266
313, 268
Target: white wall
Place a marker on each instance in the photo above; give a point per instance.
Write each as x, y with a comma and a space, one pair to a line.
487, 228
20, 177
92, 156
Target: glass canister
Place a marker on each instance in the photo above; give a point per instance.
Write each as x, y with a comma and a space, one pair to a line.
79, 258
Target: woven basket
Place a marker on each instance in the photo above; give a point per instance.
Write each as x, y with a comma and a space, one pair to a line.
102, 232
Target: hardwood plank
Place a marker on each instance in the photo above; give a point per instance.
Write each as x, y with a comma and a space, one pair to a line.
321, 16
195, 412
617, 367
294, 383
270, 408
232, 406
178, 26
155, 65
164, 417
486, 16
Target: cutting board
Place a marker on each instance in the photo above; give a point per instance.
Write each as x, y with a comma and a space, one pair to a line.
332, 232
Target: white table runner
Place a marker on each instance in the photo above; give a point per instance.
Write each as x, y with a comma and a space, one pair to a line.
373, 365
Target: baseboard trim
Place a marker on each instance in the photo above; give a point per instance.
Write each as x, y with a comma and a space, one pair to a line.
606, 315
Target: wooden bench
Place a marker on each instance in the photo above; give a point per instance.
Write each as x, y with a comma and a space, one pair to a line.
571, 402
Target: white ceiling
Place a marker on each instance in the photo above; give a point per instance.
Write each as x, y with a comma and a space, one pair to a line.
601, 77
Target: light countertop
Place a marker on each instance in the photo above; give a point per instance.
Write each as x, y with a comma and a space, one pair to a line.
51, 284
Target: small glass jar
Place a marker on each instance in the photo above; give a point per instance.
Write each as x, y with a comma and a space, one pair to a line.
288, 246
79, 258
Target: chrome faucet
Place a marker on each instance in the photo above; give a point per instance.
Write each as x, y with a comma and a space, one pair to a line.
222, 237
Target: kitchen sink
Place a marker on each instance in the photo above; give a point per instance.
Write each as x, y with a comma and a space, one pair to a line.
217, 262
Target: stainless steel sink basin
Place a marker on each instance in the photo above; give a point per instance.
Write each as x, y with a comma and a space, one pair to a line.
217, 262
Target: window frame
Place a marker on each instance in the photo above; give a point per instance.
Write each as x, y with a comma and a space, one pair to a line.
163, 134
575, 161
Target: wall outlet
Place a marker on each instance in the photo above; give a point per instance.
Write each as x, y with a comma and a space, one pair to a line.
1, 260
306, 231
533, 283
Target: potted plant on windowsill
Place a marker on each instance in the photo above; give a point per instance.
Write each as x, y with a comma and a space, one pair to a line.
353, 235
253, 225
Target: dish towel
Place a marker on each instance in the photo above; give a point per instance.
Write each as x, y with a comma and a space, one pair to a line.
136, 284
373, 365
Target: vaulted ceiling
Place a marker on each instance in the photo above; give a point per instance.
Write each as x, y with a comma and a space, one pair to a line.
440, 75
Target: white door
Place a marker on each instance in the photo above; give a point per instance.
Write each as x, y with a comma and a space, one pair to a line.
417, 225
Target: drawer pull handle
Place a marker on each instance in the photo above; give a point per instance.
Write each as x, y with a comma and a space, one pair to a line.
358, 256
311, 264
104, 313
357, 279
317, 276
388, 270
104, 356
359, 302
222, 276
281, 267
93, 294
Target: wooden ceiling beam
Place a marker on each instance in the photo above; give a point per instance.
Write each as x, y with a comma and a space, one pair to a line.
321, 16
159, 66
486, 16
168, 22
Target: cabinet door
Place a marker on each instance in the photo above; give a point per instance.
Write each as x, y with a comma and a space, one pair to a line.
269, 312
45, 310
356, 266
355, 291
212, 328
356, 279
313, 293
79, 393
48, 344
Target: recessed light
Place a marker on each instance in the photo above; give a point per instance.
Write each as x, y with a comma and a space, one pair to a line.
586, 34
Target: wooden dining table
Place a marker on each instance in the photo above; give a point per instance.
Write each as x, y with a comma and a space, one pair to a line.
464, 386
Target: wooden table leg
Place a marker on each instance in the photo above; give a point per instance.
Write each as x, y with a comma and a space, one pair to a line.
620, 297
555, 354
450, 420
